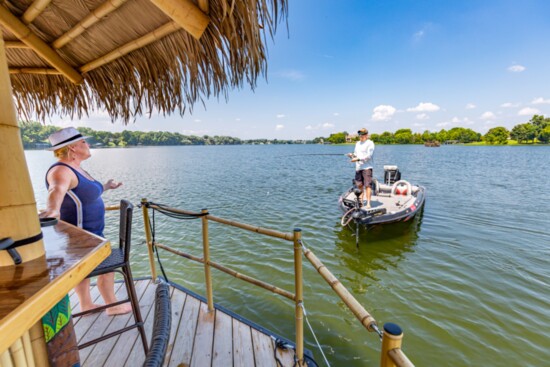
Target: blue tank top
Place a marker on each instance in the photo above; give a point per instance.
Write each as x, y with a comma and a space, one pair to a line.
82, 206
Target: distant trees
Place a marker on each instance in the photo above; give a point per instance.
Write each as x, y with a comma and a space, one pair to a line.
497, 135
536, 130
338, 138
35, 135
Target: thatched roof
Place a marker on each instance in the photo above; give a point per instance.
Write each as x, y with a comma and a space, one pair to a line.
129, 57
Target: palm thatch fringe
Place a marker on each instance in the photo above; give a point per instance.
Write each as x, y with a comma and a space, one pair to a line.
171, 74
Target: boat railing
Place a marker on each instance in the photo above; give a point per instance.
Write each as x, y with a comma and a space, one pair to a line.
391, 337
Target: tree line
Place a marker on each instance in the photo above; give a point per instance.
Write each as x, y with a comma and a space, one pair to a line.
35, 135
537, 130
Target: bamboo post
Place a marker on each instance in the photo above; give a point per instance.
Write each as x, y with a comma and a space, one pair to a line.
186, 14
299, 311
38, 343
89, 20
18, 212
5, 359
148, 238
206, 250
34, 10
391, 342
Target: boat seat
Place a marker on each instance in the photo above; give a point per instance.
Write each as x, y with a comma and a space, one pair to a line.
401, 188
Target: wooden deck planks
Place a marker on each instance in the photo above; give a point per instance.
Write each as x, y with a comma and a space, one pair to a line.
137, 355
101, 323
177, 300
243, 354
204, 337
223, 340
186, 334
97, 354
198, 337
263, 349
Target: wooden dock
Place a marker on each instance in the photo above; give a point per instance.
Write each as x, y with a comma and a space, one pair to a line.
198, 337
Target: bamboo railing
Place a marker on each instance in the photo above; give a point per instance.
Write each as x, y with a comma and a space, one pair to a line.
391, 353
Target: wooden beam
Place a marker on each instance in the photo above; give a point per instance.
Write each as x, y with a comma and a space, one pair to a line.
95, 16
131, 46
204, 6
186, 14
21, 31
44, 71
34, 10
15, 44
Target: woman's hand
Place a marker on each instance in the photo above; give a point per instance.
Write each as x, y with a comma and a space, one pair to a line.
111, 185
49, 213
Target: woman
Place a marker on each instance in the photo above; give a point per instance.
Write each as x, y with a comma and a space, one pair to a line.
74, 196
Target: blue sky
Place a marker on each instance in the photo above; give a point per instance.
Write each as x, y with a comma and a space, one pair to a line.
384, 65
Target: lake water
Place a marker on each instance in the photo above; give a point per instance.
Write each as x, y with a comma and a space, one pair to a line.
468, 280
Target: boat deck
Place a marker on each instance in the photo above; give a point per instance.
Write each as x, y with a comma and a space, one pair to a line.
198, 338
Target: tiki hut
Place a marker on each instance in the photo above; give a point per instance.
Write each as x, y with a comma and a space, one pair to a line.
126, 57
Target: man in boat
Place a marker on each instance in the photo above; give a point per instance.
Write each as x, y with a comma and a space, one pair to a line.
362, 156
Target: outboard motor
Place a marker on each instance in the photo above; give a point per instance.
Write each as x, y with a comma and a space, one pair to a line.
391, 175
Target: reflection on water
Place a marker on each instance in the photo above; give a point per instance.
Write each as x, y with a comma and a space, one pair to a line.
467, 280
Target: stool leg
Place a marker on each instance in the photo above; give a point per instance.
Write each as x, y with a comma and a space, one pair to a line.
129, 280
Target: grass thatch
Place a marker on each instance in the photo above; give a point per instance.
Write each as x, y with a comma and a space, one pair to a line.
168, 75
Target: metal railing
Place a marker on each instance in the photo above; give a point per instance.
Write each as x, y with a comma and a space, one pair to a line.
391, 353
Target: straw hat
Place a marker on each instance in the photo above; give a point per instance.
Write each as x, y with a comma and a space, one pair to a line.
64, 137
363, 131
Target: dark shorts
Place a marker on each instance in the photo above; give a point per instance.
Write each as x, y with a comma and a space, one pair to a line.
363, 177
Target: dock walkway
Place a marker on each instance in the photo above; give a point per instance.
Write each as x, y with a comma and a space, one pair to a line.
197, 338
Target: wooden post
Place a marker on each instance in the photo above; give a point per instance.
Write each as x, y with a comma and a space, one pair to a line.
391, 339
206, 250
18, 212
299, 311
148, 238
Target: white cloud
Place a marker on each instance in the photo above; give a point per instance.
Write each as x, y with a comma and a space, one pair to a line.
488, 115
237, 119
421, 33
279, 127
292, 75
528, 111
328, 125
309, 127
516, 68
443, 124
424, 107
197, 120
280, 116
383, 112
419, 124
509, 104
470, 106
336, 114
541, 100
422, 116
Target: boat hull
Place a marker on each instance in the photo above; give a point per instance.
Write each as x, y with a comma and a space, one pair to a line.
387, 206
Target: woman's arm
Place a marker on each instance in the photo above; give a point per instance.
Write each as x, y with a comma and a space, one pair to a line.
61, 180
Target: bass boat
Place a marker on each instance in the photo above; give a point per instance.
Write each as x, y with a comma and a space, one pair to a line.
395, 200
